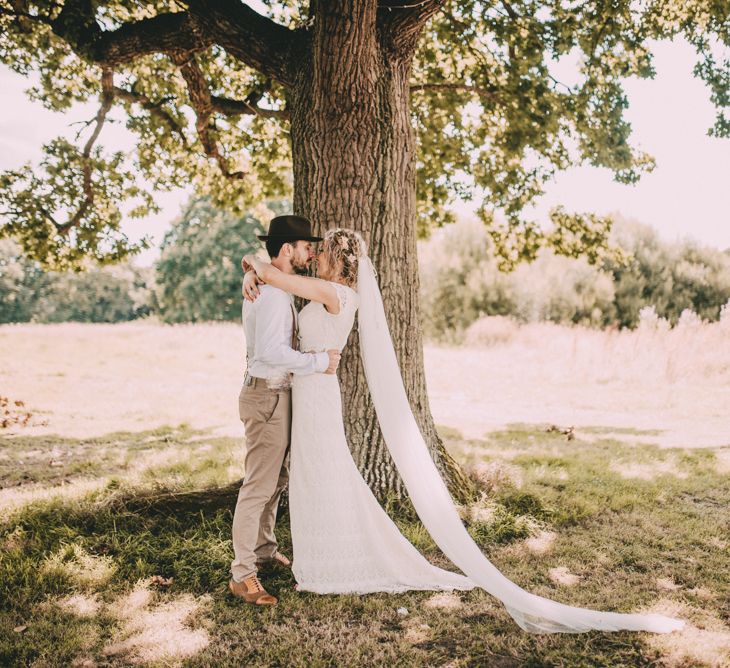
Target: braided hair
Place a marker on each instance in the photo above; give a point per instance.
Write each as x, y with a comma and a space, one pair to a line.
344, 248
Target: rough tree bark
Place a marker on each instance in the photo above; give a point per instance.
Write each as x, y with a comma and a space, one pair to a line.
354, 166
347, 80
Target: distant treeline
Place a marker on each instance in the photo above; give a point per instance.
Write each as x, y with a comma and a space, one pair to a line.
100, 294
461, 283
198, 278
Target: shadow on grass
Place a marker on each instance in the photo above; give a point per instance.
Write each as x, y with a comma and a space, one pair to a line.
51, 459
618, 534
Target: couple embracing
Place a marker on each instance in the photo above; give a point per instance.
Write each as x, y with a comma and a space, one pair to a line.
290, 403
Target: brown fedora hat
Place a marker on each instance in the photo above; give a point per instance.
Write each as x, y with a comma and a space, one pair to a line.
289, 228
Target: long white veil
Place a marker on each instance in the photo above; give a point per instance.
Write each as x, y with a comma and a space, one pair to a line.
433, 502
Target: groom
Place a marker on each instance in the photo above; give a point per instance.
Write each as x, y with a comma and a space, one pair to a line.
270, 327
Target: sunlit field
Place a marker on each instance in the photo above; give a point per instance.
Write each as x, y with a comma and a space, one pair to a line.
674, 383
95, 379
119, 468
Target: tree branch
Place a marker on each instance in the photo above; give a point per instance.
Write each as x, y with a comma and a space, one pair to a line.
228, 107
165, 33
107, 98
155, 108
481, 92
250, 37
202, 102
255, 40
23, 17
510, 10
405, 20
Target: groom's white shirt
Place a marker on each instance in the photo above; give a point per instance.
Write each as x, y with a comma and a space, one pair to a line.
268, 326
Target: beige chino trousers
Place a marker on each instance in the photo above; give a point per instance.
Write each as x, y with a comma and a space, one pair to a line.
266, 415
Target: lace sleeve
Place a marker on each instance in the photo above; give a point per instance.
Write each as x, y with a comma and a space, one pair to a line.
345, 296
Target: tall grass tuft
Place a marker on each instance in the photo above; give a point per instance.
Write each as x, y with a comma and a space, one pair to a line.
692, 350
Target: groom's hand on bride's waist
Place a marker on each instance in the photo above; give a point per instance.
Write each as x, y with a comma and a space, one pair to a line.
334, 356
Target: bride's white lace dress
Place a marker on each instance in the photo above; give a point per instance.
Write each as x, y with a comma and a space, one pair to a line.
344, 542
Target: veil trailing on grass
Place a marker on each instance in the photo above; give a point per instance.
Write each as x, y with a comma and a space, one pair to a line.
433, 502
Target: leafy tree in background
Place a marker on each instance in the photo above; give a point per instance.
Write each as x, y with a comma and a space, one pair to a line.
670, 277
198, 273
386, 110
105, 294
460, 280
109, 294
462, 284
20, 280
563, 290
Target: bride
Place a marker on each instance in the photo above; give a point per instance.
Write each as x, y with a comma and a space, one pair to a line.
343, 541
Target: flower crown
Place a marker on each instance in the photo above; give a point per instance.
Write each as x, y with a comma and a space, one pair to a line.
343, 240
347, 246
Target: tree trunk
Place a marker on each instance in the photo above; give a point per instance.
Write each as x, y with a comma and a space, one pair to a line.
354, 166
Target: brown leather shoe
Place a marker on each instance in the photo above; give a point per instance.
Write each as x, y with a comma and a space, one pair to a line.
252, 591
277, 560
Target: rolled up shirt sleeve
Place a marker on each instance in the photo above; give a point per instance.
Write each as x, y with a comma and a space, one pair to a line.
273, 338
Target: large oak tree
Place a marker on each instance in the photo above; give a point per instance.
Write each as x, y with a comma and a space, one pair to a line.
384, 110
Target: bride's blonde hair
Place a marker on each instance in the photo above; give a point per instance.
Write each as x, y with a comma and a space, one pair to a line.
344, 248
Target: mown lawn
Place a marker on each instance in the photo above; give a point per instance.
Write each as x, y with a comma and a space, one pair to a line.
125, 560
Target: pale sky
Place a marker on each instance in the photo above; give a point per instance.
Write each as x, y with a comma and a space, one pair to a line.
687, 195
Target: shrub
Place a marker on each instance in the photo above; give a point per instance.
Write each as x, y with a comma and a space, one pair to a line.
460, 280
491, 330
461, 284
563, 290
670, 277
99, 294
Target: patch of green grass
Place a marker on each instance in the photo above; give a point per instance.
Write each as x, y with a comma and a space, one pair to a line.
619, 534
53, 461
524, 503
626, 431
449, 433
502, 527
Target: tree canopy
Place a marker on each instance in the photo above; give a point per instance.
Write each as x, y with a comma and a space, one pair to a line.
202, 85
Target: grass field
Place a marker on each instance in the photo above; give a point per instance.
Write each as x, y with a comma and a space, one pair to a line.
114, 537
92, 380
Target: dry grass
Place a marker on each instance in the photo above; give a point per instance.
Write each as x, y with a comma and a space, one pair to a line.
89, 380
445, 601
495, 476
648, 471
673, 386
705, 640
160, 631
81, 605
673, 383
562, 575
541, 543
84, 570
667, 584
601, 520
723, 461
